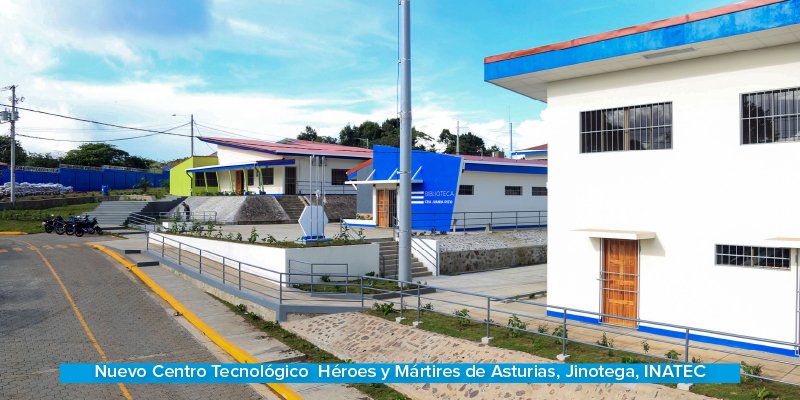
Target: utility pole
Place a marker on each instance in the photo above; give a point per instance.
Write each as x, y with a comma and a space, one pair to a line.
510, 139
191, 124
458, 137
404, 200
12, 118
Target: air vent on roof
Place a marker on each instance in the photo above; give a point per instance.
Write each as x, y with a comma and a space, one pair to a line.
668, 53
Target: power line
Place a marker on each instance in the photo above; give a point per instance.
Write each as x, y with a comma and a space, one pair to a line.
97, 122
223, 128
105, 140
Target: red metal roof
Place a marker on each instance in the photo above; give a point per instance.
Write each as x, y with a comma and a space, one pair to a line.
700, 15
542, 163
293, 147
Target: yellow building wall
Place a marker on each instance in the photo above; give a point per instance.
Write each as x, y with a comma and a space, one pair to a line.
182, 184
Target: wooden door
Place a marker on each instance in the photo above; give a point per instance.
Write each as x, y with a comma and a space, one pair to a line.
620, 281
239, 181
382, 217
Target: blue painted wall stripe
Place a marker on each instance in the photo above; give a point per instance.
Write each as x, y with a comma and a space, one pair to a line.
737, 23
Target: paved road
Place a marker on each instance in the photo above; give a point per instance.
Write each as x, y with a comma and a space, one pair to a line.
107, 316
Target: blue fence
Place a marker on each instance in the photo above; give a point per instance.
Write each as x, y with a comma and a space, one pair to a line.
85, 180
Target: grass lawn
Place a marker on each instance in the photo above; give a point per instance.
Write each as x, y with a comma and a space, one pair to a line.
30, 221
314, 354
549, 347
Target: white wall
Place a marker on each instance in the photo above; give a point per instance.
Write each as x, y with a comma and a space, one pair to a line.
360, 259
708, 189
489, 195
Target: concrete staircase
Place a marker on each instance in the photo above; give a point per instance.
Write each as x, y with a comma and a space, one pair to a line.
292, 205
114, 213
389, 258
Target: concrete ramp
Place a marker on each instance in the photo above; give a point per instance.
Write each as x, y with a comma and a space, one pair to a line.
238, 209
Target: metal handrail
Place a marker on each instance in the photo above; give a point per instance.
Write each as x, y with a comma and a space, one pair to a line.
412, 294
470, 220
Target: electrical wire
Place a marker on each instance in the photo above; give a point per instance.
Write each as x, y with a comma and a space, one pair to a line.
104, 140
97, 122
227, 129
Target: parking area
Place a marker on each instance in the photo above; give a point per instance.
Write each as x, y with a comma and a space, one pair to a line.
63, 302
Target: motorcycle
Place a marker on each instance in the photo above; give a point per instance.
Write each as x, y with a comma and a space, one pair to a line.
59, 225
90, 226
48, 224
72, 226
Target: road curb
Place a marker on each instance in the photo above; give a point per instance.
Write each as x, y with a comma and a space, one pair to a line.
237, 353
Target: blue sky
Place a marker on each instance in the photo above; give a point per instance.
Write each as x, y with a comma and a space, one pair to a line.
267, 68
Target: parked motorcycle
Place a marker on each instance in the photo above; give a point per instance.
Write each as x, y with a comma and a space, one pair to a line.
90, 226
72, 226
48, 224
59, 225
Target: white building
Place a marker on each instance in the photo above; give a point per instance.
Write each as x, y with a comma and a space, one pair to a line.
452, 192
672, 182
285, 167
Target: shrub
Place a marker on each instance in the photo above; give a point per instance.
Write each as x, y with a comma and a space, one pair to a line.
697, 360
325, 278
253, 316
672, 355
646, 346
463, 316
560, 333
762, 394
239, 237
241, 308
370, 273
607, 343
543, 329
428, 306
271, 325
253, 235
515, 326
750, 369
384, 308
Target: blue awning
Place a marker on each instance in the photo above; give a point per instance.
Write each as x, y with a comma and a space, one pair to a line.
256, 164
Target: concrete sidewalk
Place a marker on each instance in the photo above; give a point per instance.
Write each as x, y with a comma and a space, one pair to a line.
230, 325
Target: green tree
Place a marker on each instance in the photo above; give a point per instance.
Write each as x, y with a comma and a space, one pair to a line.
45, 160
468, 143
308, 134
386, 134
5, 151
311, 134
96, 155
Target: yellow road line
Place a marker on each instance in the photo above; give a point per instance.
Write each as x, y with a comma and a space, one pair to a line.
61, 246
17, 248
282, 390
76, 244
47, 247
3, 251
79, 315
13, 233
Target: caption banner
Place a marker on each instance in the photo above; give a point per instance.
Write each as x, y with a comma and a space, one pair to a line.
399, 373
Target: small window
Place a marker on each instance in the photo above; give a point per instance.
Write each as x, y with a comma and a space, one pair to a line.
754, 257
211, 179
771, 116
267, 176
466, 190
251, 173
513, 190
538, 191
338, 176
199, 179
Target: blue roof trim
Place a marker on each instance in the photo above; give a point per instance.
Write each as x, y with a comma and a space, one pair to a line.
737, 23
531, 152
212, 168
510, 169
